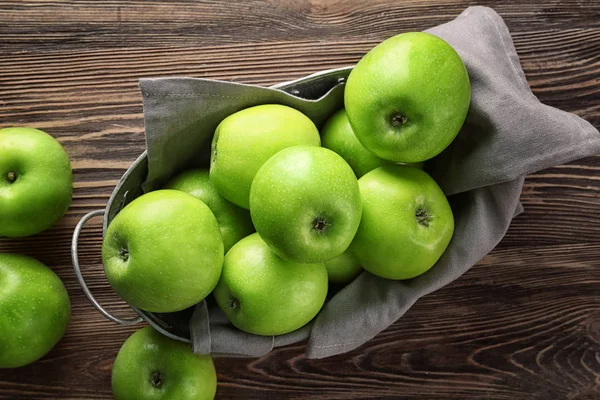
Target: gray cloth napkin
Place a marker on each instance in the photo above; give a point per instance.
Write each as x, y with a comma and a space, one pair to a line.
508, 134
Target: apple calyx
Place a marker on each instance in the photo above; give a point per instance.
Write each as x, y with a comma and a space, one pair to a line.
124, 254
319, 224
11, 176
398, 119
234, 304
156, 379
423, 217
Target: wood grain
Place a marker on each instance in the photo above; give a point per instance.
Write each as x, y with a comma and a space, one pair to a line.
523, 324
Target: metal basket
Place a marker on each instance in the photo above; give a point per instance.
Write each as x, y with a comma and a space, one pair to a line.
176, 325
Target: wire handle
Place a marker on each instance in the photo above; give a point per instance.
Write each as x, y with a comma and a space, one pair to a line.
77, 269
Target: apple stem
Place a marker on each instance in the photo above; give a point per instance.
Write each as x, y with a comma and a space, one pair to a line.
157, 379
398, 119
124, 254
11, 176
423, 217
234, 304
319, 224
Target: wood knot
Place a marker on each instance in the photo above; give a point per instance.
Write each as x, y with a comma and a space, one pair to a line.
594, 328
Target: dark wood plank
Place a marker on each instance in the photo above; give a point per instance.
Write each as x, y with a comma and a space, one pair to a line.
523, 324
44, 25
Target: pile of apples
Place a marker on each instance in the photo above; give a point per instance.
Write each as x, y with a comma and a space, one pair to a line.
284, 208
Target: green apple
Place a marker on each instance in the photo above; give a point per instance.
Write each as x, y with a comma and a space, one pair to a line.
245, 140
343, 268
36, 183
234, 222
151, 366
305, 204
163, 252
34, 310
337, 135
263, 294
406, 224
408, 97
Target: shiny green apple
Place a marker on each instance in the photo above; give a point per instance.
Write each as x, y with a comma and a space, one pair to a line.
234, 222
263, 294
34, 310
406, 224
36, 182
408, 97
163, 252
343, 268
150, 366
305, 204
337, 135
246, 139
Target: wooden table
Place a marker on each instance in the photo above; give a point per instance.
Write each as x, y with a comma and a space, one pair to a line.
523, 324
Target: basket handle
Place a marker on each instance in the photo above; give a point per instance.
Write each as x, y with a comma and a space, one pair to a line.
77, 268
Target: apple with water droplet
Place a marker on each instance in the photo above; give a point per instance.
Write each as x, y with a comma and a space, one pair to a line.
408, 97
406, 224
263, 294
163, 252
36, 182
34, 310
152, 366
305, 204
